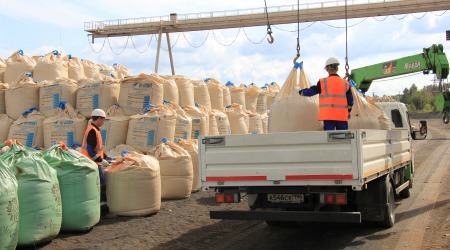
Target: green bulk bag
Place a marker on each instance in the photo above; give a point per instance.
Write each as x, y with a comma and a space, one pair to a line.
80, 187
9, 209
40, 211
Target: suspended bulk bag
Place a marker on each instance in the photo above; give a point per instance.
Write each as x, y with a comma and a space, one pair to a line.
251, 97
176, 170
80, 187
226, 96
120, 149
121, 71
2, 69
97, 94
9, 209
265, 123
255, 123
200, 120
16, 65
220, 119
191, 146
107, 70
147, 130
29, 129
292, 112
67, 126
201, 94
52, 93
115, 128
5, 124
51, 67
40, 211
261, 102
185, 91
272, 91
137, 92
183, 126
170, 89
216, 91
133, 185
76, 70
236, 117
3, 87
21, 95
91, 69
237, 94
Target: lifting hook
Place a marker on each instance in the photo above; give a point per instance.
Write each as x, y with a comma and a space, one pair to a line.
269, 32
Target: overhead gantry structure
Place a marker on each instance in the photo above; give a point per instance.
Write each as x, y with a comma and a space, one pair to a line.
308, 12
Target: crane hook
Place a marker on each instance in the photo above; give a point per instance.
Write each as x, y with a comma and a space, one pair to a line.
269, 32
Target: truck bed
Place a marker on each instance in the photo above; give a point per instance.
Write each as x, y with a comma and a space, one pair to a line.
312, 158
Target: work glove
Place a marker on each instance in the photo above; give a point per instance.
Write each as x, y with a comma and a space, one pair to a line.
105, 163
298, 90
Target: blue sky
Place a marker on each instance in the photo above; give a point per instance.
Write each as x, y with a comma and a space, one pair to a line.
39, 28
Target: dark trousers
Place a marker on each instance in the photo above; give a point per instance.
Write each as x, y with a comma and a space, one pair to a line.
335, 125
102, 184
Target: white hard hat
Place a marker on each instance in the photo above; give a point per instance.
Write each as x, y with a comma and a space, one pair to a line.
331, 60
98, 112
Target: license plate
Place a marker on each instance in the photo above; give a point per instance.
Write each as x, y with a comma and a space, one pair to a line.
286, 198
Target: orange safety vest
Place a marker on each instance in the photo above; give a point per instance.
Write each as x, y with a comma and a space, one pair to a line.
98, 147
333, 99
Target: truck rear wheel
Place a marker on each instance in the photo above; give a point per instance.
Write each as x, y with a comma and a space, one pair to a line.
405, 193
389, 214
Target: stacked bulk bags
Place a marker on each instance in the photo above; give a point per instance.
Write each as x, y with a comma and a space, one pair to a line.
200, 120
176, 170
3, 87
40, 210
183, 126
237, 94
261, 102
91, 69
107, 70
121, 148
67, 126
219, 119
272, 91
237, 119
79, 183
133, 185
170, 89
255, 123
201, 94
29, 128
226, 96
5, 124
121, 71
147, 130
9, 205
265, 123
2, 69
291, 112
215, 90
27, 90
51, 67
137, 92
16, 65
114, 130
94, 93
191, 146
251, 97
52, 93
75, 68
185, 90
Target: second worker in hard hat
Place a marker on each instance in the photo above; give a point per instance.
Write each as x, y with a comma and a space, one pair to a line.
92, 148
335, 97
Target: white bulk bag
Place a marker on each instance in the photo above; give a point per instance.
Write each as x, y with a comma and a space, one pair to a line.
237, 117
272, 91
107, 70
261, 102
137, 92
215, 90
5, 125
50, 67
226, 96
3, 87
29, 129
185, 91
366, 114
237, 94
191, 146
51, 93
220, 119
201, 94
121, 71
183, 127
251, 97
91, 69
76, 69
114, 130
148, 129
255, 123
133, 185
292, 112
93, 94
21, 95
200, 120
170, 92
265, 123
16, 65
176, 170
120, 149
67, 125
2, 69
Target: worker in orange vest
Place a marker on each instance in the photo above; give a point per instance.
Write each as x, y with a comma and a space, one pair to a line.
92, 148
335, 97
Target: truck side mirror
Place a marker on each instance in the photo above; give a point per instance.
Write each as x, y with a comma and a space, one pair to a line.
420, 134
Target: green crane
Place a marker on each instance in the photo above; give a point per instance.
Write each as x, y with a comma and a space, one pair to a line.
432, 60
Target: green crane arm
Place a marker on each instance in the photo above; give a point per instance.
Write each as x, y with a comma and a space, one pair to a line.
432, 59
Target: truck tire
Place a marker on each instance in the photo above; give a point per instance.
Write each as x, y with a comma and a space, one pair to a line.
405, 193
389, 214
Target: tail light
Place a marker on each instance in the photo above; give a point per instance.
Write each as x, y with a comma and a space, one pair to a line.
334, 199
228, 197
